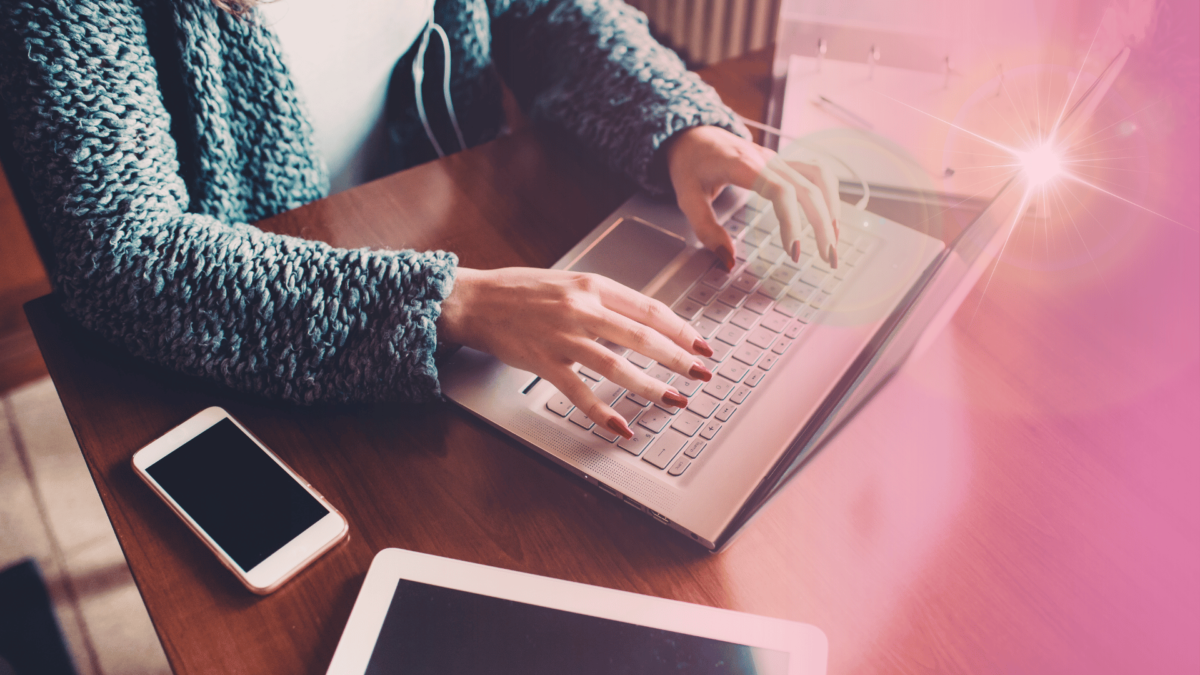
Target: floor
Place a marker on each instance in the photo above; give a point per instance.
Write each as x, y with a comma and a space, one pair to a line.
49, 510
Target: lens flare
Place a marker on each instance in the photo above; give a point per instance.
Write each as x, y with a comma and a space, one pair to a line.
1042, 164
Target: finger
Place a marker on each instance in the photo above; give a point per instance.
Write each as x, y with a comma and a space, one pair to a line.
645, 340
650, 312
820, 174
697, 206
782, 194
586, 400
814, 206
621, 371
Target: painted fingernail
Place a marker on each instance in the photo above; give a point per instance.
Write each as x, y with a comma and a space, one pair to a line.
699, 372
837, 234
796, 251
618, 427
833, 256
726, 257
701, 347
672, 397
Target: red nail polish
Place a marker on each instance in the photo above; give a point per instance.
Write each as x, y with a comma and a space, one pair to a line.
672, 397
701, 347
726, 257
618, 427
833, 256
699, 372
795, 251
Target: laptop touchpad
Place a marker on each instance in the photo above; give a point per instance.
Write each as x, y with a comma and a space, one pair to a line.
631, 252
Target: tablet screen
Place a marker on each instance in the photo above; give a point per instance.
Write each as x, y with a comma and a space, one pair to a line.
431, 629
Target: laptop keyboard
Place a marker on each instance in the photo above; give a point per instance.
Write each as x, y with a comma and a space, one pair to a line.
750, 316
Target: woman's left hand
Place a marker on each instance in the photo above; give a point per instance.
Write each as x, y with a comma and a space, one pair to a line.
703, 160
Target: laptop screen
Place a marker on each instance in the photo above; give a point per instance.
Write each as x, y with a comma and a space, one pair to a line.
930, 304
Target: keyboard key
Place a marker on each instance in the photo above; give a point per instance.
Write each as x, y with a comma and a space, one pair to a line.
734, 227
702, 294
773, 289
761, 337
609, 391
813, 276
710, 430
781, 346
718, 388
720, 351
807, 314
748, 354
755, 237
819, 300
789, 306
774, 322
661, 373
783, 274
852, 258
665, 448
655, 419
588, 372
717, 277
759, 304
801, 291
637, 399
687, 387
754, 377
679, 466
635, 446
726, 411
703, 406
705, 327
688, 424
793, 330
718, 312
771, 252
732, 297
744, 319
559, 404
628, 410
694, 448
768, 360
688, 308
640, 360
745, 282
744, 215
733, 371
604, 433
740, 394
582, 420
759, 268
730, 334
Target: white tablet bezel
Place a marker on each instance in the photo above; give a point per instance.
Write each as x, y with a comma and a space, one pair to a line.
806, 645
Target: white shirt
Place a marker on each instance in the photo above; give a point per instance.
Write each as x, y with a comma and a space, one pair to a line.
341, 55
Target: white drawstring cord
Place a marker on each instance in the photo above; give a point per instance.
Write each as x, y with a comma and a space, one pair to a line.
866, 198
418, 75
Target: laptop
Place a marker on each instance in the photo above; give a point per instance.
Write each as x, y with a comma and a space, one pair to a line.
799, 347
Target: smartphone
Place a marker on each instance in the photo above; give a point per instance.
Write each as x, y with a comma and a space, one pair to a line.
262, 521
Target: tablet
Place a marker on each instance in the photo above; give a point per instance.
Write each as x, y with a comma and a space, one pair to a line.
420, 614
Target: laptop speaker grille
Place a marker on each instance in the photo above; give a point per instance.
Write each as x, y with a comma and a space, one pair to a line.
636, 486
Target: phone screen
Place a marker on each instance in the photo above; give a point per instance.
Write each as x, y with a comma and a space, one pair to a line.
236, 493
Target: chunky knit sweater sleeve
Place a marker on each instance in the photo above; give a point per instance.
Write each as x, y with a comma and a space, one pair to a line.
591, 68
266, 314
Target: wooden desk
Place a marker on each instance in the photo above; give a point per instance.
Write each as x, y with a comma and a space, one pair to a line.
1023, 499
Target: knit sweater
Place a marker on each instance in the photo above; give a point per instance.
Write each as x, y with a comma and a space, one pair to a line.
151, 132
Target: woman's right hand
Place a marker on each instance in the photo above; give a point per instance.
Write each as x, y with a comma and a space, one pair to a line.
546, 321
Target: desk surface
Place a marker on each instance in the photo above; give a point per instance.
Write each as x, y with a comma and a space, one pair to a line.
1022, 499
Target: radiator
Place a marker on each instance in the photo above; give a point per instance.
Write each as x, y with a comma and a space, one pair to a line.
707, 31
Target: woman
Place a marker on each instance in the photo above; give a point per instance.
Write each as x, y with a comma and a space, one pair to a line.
151, 131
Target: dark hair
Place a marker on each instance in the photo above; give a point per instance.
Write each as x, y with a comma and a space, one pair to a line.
236, 7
